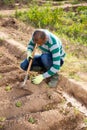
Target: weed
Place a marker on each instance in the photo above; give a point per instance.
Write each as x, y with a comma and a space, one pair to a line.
1, 39
9, 2
85, 121
0, 76
18, 104
73, 75
2, 119
8, 88
1, 54
57, 20
84, 66
31, 120
76, 111
1, 126
49, 106
1, 16
63, 101
75, 2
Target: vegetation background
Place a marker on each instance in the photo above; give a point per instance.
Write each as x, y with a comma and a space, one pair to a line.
69, 23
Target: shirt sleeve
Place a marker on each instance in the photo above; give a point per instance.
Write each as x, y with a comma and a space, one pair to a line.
55, 51
30, 46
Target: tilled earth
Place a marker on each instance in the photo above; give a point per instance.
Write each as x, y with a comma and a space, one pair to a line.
34, 107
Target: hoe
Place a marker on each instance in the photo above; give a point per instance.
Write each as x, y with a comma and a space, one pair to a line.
29, 67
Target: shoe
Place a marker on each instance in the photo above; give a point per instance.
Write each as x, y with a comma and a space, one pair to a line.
53, 81
36, 68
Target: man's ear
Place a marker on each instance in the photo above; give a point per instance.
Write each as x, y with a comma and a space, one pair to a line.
45, 39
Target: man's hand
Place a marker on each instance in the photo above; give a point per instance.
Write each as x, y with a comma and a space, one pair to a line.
37, 79
29, 55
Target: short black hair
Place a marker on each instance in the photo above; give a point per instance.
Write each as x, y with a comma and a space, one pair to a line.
39, 34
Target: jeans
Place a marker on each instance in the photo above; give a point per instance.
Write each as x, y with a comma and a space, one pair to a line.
44, 61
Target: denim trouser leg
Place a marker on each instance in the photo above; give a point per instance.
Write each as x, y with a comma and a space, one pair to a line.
24, 64
45, 61
36, 62
48, 61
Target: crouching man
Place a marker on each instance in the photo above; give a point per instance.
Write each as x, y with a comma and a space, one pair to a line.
51, 59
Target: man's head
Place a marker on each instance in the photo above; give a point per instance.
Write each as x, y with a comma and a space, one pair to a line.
39, 37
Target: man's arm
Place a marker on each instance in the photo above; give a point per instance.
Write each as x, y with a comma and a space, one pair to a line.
30, 46
55, 50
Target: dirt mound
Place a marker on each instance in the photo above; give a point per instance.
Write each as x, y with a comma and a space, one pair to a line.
32, 107
10, 22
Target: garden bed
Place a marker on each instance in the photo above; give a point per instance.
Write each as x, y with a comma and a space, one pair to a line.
34, 107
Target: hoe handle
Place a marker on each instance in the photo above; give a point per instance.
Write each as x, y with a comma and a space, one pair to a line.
31, 60
29, 66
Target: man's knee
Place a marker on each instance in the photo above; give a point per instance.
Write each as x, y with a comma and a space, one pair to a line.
24, 64
47, 60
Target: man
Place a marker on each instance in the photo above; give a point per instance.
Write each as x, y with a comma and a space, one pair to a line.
51, 59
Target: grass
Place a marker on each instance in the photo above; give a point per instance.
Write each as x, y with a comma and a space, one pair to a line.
69, 25
72, 24
85, 121
73, 66
75, 2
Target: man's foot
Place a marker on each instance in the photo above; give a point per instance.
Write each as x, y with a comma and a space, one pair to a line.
53, 81
36, 68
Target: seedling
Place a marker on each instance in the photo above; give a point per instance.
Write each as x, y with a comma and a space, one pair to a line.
47, 86
18, 104
1, 54
31, 120
8, 88
1, 39
63, 101
0, 76
1, 126
1, 16
76, 111
2, 119
85, 121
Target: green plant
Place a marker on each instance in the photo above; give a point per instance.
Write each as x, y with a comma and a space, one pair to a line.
1, 16
31, 120
18, 104
1, 54
76, 111
8, 88
63, 101
75, 2
71, 24
2, 119
1, 126
1, 39
82, 8
8, 2
85, 121
0, 76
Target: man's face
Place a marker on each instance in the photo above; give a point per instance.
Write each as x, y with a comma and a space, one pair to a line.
39, 41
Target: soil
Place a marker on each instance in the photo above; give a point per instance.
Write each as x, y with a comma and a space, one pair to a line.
32, 107
40, 107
